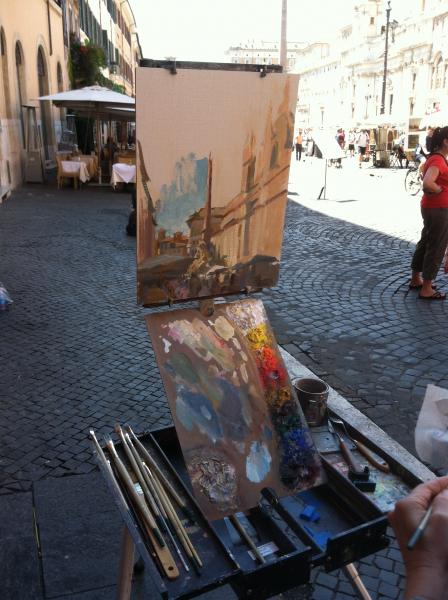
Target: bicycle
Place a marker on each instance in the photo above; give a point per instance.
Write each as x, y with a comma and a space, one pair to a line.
413, 180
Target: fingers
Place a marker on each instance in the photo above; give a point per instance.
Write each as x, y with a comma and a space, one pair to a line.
425, 492
409, 510
440, 503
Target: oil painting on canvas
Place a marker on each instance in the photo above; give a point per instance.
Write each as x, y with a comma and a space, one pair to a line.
213, 155
238, 421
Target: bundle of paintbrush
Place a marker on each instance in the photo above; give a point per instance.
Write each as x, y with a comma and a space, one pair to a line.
153, 501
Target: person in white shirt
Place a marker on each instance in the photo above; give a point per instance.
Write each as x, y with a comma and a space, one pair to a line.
362, 141
351, 142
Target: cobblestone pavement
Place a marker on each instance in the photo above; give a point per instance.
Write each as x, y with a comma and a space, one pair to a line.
75, 354
343, 308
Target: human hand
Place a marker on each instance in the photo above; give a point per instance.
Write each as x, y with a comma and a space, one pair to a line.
427, 563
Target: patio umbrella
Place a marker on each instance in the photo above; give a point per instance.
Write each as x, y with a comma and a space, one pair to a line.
96, 101
94, 96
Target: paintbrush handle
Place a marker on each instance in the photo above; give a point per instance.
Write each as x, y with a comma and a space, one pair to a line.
381, 465
154, 466
243, 533
137, 500
420, 529
350, 459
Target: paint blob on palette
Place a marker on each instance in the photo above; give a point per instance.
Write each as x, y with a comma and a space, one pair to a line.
238, 421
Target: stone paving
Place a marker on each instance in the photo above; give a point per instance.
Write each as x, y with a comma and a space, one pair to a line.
75, 354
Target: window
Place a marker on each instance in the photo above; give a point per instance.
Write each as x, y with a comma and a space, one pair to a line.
437, 74
391, 101
372, 20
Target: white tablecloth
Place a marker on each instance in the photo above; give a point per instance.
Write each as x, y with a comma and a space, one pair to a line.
90, 161
122, 173
70, 166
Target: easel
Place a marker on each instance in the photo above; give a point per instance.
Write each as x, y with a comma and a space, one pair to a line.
132, 541
326, 148
324, 188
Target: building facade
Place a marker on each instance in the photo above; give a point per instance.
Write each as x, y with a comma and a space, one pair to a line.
111, 25
34, 53
33, 63
341, 81
264, 53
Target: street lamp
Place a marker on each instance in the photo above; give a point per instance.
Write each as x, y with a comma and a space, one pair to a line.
283, 38
386, 50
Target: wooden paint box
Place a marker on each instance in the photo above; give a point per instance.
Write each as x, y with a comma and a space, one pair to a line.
349, 527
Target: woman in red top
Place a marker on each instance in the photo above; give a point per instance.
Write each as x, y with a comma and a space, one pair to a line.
431, 248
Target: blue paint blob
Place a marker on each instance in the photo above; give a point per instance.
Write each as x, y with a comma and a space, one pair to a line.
195, 410
234, 412
298, 457
258, 462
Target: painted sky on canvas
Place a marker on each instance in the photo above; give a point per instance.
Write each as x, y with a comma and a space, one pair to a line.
204, 29
180, 121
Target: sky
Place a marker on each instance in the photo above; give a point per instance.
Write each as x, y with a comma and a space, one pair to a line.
205, 29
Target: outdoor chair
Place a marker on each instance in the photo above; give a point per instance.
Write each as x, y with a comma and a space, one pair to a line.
127, 159
62, 174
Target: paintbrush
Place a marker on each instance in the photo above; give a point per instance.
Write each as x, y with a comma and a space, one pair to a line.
143, 510
245, 536
162, 516
159, 474
420, 529
175, 522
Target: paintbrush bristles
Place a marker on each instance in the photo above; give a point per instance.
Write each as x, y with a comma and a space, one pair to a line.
110, 445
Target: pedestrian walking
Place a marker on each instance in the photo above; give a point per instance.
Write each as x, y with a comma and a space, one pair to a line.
351, 142
433, 242
362, 141
340, 138
299, 146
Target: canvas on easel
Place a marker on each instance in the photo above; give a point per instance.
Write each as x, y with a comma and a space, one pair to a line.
213, 156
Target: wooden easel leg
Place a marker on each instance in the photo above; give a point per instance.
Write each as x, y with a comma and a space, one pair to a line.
356, 582
126, 567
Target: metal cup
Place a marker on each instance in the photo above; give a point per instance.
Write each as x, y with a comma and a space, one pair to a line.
313, 396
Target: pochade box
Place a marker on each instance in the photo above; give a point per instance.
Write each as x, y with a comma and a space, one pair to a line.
348, 527
392, 480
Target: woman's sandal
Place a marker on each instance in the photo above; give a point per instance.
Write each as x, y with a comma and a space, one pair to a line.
419, 287
436, 296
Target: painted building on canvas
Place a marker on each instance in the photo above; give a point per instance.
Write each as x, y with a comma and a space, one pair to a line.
254, 218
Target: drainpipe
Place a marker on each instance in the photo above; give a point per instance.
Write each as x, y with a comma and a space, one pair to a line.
49, 28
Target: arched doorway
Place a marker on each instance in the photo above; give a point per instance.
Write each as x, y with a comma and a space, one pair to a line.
21, 85
45, 110
5, 75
